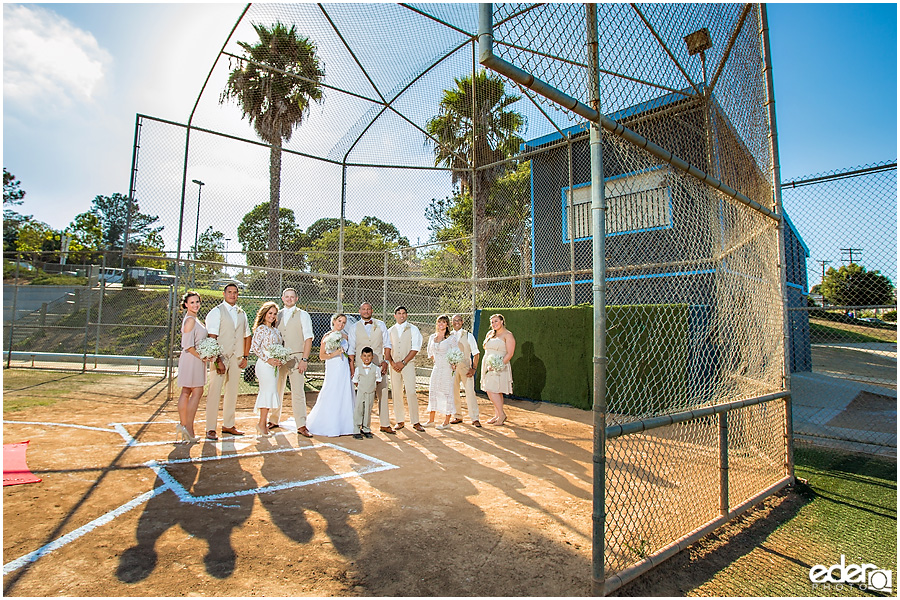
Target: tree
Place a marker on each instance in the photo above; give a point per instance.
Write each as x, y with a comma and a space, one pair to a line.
853, 285
113, 214
252, 234
210, 247
388, 231
86, 233
359, 241
322, 226
486, 137
35, 236
12, 220
274, 88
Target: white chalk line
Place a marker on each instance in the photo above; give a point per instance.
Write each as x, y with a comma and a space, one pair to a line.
84, 529
61, 425
170, 483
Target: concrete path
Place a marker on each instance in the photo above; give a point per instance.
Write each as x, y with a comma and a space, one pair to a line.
844, 414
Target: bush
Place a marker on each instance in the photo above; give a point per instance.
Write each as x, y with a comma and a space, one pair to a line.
890, 315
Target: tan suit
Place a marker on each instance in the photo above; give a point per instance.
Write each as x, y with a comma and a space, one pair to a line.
366, 379
401, 344
460, 377
375, 341
294, 338
231, 339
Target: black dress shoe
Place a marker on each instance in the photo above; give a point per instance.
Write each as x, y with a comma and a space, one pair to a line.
357, 436
368, 434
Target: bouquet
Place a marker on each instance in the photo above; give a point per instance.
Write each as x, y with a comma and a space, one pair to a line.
209, 348
495, 362
332, 341
279, 352
454, 356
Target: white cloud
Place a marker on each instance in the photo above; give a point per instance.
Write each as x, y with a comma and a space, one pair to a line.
47, 61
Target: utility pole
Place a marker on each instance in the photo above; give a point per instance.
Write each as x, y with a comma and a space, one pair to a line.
823, 263
850, 251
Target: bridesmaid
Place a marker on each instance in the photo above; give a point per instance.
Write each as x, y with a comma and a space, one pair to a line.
499, 341
440, 386
265, 335
191, 368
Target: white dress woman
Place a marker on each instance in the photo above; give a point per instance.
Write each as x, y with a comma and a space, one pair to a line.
333, 413
265, 335
440, 385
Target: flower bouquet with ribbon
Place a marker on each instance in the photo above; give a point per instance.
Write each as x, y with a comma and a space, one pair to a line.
454, 357
495, 363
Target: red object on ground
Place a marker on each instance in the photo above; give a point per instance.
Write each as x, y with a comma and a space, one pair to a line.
15, 469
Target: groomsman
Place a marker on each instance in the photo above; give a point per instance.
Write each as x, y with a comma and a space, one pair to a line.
465, 371
228, 323
374, 334
296, 327
406, 341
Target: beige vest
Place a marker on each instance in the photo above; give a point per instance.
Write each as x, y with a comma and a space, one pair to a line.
231, 334
367, 383
374, 340
465, 348
293, 331
401, 344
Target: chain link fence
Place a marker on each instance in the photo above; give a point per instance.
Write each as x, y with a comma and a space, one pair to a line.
408, 175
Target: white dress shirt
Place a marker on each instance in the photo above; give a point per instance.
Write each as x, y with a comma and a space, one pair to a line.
305, 320
355, 378
351, 334
212, 319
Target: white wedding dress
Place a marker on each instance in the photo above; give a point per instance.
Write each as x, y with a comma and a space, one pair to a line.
333, 413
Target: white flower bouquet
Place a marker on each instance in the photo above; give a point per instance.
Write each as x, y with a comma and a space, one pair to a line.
279, 352
332, 341
495, 362
454, 356
209, 348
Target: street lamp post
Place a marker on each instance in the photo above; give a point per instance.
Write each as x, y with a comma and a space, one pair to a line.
200, 185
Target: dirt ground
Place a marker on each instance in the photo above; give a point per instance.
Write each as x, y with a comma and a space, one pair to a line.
496, 511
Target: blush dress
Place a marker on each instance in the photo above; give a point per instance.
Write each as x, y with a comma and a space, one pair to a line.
495, 381
332, 415
191, 370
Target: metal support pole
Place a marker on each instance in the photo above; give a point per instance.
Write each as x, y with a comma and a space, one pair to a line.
12, 316
340, 285
779, 210
570, 221
87, 323
475, 178
134, 157
100, 309
598, 247
723, 463
384, 298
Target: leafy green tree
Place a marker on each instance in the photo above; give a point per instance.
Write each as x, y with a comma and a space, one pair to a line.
388, 231
86, 241
853, 285
484, 137
359, 241
210, 247
274, 89
112, 211
35, 236
253, 236
322, 226
13, 195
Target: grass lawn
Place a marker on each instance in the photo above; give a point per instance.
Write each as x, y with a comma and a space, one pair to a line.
825, 332
25, 388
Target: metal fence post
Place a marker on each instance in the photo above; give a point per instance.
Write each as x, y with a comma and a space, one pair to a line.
723, 464
12, 315
598, 247
340, 281
100, 307
384, 298
570, 222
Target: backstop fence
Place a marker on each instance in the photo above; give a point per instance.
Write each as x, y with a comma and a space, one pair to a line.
394, 169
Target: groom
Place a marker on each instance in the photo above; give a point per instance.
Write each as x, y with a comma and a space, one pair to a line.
465, 372
228, 323
296, 327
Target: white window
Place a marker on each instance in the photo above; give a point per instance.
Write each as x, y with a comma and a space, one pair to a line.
635, 202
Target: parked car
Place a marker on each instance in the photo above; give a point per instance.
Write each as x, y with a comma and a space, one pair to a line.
219, 284
151, 276
111, 275
873, 320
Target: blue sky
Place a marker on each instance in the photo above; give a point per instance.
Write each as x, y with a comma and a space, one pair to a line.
69, 104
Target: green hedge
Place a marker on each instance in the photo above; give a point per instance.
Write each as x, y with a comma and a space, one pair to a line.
647, 348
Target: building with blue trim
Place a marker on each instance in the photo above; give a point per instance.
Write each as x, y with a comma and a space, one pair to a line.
666, 239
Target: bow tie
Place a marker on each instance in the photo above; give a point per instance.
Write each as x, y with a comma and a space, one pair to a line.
367, 322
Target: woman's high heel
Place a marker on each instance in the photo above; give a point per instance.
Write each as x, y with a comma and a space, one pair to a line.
262, 431
492, 421
181, 434
500, 421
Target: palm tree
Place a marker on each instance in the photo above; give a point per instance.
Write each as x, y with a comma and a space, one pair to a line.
274, 87
466, 140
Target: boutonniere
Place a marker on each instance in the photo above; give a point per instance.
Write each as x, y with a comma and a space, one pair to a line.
239, 309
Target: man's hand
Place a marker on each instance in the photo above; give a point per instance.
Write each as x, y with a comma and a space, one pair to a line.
384, 367
471, 373
241, 363
220, 366
302, 366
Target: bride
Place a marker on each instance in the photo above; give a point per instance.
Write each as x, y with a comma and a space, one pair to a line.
333, 413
